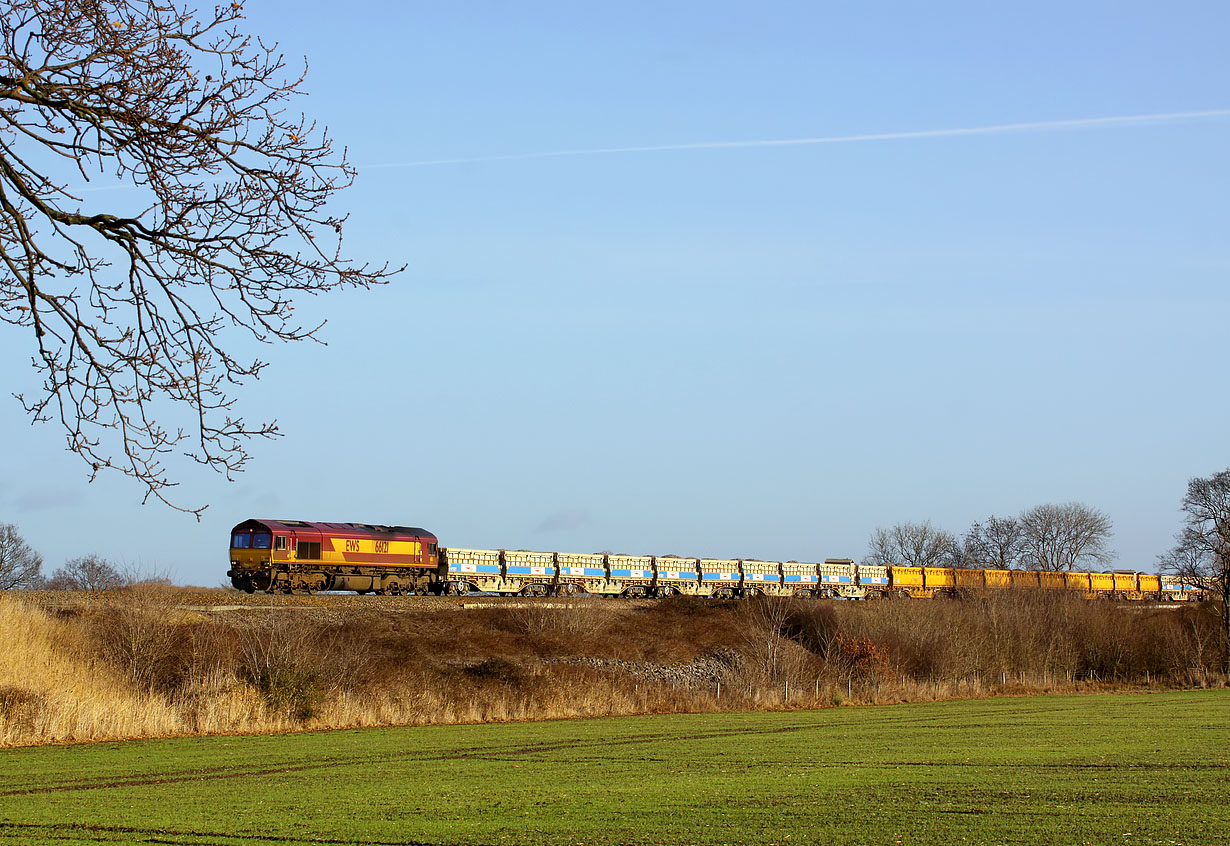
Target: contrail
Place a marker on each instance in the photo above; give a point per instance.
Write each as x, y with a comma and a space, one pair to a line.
996, 129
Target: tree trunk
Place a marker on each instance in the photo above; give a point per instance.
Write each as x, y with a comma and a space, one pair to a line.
1225, 623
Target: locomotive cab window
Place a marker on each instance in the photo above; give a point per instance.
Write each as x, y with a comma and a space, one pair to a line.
241, 540
431, 549
261, 540
280, 542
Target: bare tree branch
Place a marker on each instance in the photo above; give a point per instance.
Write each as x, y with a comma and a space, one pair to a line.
995, 544
1065, 537
912, 544
134, 313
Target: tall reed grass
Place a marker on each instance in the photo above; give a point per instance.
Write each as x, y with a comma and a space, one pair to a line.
137, 664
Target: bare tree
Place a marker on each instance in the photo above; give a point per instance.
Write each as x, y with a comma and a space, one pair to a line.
89, 572
20, 565
1065, 537
913, 544
995, 544
135, 301
1201, 555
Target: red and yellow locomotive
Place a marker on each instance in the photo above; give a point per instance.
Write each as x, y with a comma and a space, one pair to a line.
291, 556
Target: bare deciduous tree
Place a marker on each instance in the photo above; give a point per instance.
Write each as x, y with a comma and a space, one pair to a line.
1201, 555
995, 544
913, 544
764, 620
20, 565
1065, 537
89, 572
135, 301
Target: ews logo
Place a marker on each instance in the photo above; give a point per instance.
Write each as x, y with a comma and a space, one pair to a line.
380, 547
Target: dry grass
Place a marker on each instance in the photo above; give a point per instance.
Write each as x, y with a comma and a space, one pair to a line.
139, 664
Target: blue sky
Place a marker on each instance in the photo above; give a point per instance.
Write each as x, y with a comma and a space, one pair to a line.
760, 351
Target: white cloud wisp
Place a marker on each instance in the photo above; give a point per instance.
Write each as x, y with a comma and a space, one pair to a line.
996, 129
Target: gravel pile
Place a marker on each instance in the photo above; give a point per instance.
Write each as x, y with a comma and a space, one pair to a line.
703, 671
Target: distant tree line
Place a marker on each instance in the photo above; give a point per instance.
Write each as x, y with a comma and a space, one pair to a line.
1074, 536
1067, 536
21, 568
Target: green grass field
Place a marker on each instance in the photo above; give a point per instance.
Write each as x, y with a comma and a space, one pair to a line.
1074, 769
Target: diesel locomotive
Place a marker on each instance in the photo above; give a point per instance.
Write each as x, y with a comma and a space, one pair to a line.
294, 556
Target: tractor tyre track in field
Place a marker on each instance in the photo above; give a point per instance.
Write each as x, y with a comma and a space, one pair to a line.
21, 832
481, 752
519, 752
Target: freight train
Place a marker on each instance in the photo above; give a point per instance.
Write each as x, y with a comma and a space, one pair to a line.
293, 556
